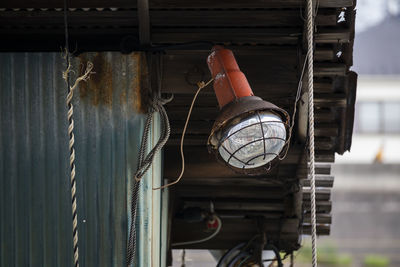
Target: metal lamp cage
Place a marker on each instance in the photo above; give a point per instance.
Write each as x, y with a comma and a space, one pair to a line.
228, 118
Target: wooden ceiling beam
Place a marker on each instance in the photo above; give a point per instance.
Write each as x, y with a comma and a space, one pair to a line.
258, 192
144, 22
233, 18
173, 4
321, 181
163, 18
244, 36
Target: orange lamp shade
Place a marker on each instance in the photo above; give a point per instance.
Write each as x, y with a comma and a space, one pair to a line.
229, 82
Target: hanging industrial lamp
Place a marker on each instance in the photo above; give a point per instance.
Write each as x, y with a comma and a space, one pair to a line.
249, 134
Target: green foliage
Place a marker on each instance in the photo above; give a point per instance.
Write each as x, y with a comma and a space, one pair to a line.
376, 261
327, 255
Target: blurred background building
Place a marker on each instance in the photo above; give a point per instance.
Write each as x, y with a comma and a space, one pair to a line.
366, 194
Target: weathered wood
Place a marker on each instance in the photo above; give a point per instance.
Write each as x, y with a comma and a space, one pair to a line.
324, 54
236, 205
254, 205
244, 36
321, 218
325, 155
330, 100
267, 71
324, 115
329, 69
322, 206
321, 194
233, 231
143, 16
228, 181
210, 101
323, 85
322, 229
244, 18
174, 4
320, 181
198, 157
244, 192
53, 18
205, 126
248, 4
198, 113
178, 109
229, 191
71, 4
322, 168
325, 143
326, 129
218, 170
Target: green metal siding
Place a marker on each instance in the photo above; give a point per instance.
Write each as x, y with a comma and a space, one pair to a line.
35, 205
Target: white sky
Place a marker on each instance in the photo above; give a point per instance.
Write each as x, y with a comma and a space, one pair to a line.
372, 12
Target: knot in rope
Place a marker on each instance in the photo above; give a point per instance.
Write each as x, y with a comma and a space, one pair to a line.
145, 161
157, 105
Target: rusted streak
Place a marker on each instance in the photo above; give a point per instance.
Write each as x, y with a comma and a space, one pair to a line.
135, 83
132, 85
140, 83
98, 89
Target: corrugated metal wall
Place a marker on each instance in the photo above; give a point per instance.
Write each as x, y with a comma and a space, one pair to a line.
35, 209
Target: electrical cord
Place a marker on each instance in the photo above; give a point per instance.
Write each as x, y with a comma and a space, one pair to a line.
229, 253
203, 239
278, 258
201, 86
242, 253
239, 258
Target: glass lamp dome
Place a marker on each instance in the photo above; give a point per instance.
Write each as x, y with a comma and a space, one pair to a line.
254, 141
249, 134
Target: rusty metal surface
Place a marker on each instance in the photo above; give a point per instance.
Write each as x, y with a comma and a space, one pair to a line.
35, 208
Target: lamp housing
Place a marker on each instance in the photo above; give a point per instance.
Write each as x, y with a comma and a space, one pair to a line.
249, 134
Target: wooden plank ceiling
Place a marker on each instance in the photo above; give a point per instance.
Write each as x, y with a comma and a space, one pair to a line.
267, 39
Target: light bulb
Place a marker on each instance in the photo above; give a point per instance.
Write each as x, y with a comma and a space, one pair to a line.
254, 141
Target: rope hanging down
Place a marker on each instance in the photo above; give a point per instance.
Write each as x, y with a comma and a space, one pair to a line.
71, 143
70, 113
143, 165
310, 81
145, 161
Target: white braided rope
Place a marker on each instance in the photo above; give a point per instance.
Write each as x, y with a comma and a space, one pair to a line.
310, 80
71, 135
72, 176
